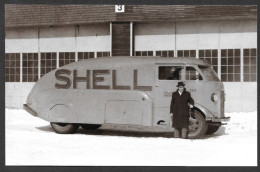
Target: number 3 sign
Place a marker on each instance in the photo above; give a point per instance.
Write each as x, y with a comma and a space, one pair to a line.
120, 8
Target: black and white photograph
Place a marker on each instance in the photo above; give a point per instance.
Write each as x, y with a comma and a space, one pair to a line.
130, 85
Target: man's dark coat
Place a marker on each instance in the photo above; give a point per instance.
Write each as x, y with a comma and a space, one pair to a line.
180, 108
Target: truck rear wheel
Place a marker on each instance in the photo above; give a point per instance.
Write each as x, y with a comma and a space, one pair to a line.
64, 128
90, 126
212, 129
197, 126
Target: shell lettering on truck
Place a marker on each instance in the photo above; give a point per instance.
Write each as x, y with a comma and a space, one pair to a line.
130, 92
62, 75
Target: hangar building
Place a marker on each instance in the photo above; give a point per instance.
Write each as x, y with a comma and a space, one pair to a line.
40, 38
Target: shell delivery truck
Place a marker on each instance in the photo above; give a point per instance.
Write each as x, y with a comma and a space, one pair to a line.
125, 92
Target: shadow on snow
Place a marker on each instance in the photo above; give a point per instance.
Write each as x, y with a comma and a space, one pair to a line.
111, 132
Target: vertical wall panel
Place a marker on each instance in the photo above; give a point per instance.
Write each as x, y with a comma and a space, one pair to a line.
186, 38
230, 35
208, 35
196, 35
154, 36
21, 40
93, 38
55, 39
249, 34
238, 34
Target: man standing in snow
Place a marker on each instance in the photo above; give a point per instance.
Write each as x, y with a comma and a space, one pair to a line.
179, 109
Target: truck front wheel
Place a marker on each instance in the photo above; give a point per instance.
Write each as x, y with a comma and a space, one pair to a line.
90, 126
212, 129
197, 126
64, 128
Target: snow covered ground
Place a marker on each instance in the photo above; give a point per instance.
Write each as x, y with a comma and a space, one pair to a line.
31, 141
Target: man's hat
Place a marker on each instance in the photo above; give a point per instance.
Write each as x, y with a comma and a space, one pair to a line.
180, 84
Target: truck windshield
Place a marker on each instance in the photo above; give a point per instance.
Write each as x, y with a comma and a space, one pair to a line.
209, 73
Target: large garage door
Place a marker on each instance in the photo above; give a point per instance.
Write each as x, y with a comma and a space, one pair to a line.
154, 39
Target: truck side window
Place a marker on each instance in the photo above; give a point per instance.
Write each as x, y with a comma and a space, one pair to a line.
192, 74
170, 72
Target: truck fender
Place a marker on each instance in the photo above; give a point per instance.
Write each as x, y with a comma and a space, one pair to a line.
62, 113
205, 111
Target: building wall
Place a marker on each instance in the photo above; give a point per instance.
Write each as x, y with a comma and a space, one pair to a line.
240, 96
196, 35
85, 38
16, 93
21, 40
58, 39
89, 36
154, 36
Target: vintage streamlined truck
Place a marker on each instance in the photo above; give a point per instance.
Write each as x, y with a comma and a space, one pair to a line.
125, 92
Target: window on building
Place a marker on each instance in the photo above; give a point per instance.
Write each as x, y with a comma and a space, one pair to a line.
85, 55
186, 53
12, 67
48, 62
192, 74
250, 65
144, 53
170, 72
230, 65
169, 53
208, 73
103, 54
30, 67
66, 58
210, 57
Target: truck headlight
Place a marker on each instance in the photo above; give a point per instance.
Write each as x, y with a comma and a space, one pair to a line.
214, 97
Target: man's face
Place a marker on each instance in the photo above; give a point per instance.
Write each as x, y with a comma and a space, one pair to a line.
181, 88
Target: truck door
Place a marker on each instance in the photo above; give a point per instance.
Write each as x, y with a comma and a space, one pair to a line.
166, 79
194, 83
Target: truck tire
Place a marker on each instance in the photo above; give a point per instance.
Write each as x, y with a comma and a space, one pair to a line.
63, 128
90, 126
197, 126
212, 129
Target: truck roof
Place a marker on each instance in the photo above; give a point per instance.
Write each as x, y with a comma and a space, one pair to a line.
185, 60
136, 60
116, 60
